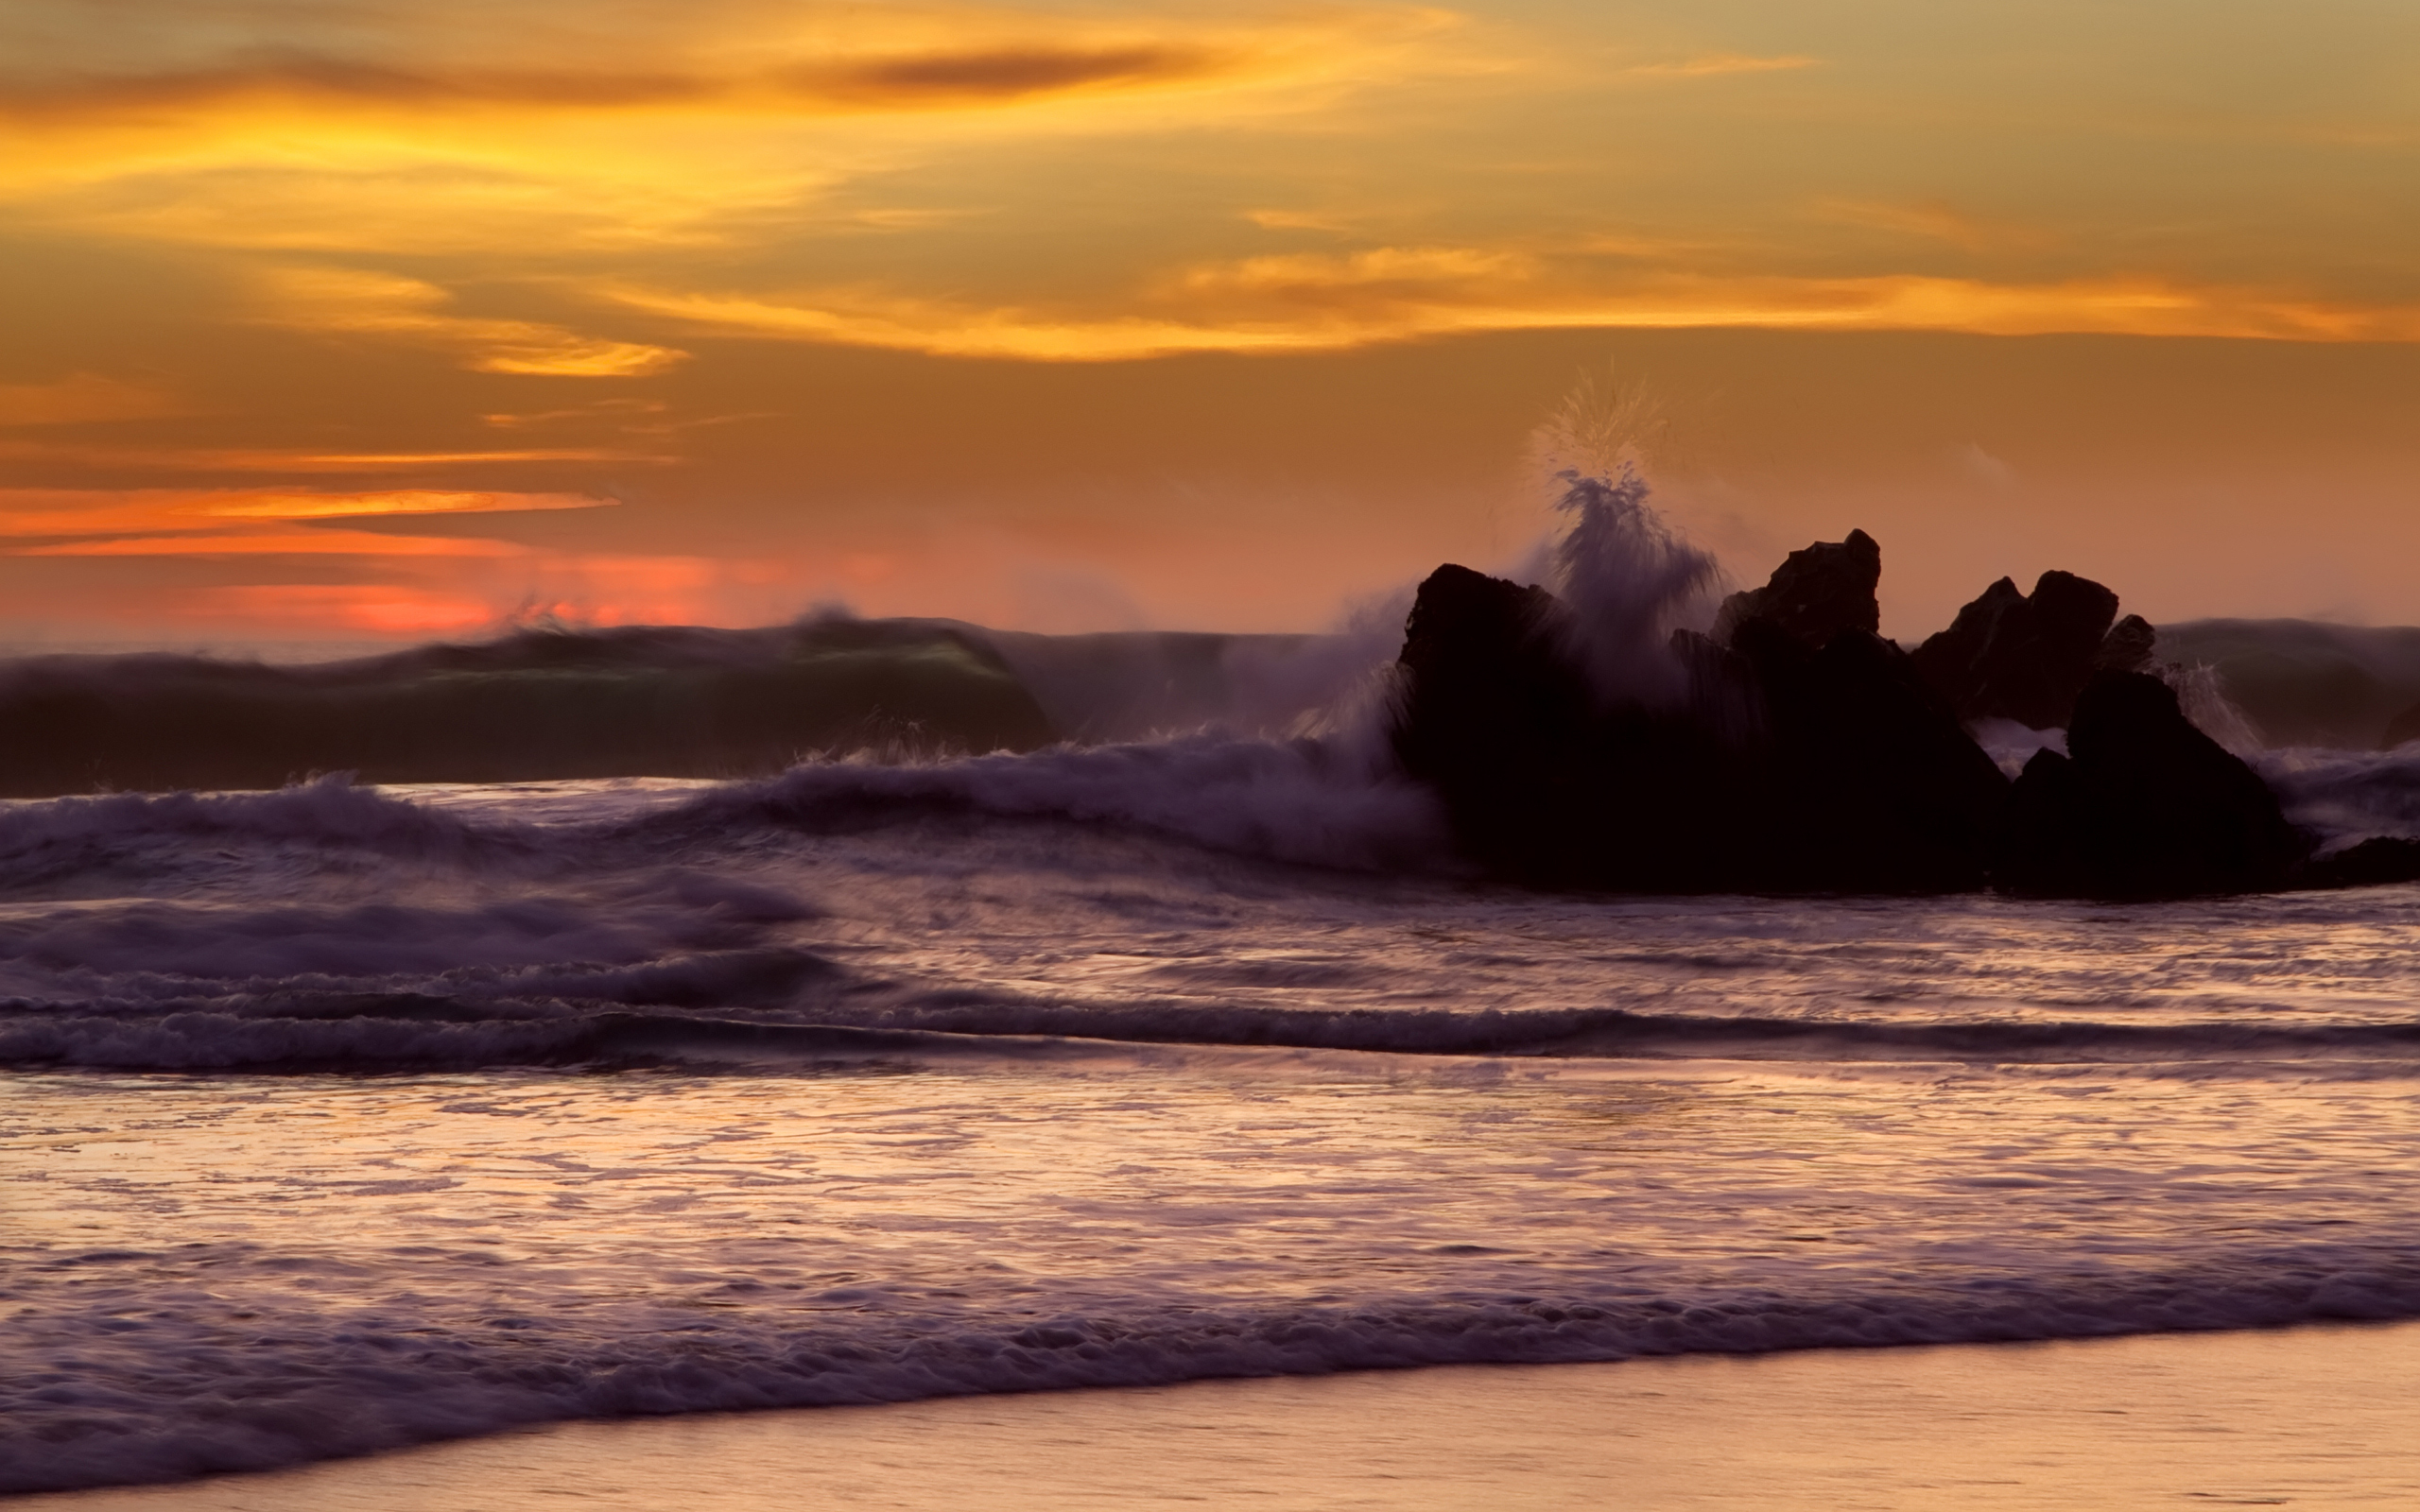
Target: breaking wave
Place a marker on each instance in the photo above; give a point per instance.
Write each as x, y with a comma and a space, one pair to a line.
258, 1382
1309, 801
631, 1016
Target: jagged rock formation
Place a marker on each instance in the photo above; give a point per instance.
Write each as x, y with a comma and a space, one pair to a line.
1541, 783
1845, 773
2146, 806
2026, 656
1870, 785
1810, 754
2128, 647
1815, 593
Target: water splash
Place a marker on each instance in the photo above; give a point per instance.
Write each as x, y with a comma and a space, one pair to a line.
1630, 580
2202, 695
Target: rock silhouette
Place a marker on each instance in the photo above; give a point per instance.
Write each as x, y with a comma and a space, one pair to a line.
2128, 647
2026, 656
2146, 806
1869, 785
1809, 754
1541, 783
1814, 594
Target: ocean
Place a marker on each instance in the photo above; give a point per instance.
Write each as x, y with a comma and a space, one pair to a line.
343, 1117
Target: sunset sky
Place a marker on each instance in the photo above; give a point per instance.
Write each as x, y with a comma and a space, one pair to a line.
351, 320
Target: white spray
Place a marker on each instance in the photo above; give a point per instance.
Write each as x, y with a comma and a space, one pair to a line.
1628, 577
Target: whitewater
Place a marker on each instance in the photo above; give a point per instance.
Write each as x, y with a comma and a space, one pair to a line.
340, 1118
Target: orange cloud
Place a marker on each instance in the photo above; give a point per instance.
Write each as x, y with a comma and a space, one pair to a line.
1320, 303
271, 459
305, 461
248, 523
1294, 220
1714, 65
264, 505
865, 318
86, 511
939, 76
689, 125
301, 460
1006, 74
353, 300
1384, 272
276, 543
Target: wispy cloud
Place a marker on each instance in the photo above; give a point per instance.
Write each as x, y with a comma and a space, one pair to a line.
1295, 221
306, 461
657, 131
302, 460
275, 543
718, 60
1317, 303
250, 521
355, 300
1711, 65
935, 78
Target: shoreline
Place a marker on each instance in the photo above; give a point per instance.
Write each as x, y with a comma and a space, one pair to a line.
2314, 1416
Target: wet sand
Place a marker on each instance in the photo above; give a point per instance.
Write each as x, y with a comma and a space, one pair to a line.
2305, 1418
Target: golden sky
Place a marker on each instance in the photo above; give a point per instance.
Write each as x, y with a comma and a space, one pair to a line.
358, 319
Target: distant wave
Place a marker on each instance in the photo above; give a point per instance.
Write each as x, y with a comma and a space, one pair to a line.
2303, 682
648, 701
666, 703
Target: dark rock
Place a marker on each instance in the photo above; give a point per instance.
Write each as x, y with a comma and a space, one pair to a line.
2147, 806
1541, 783
2045, 845
1493, 716
2015, 656
1794, 764
2372, 864
2127, 647
1871, 783
1785, 766
1815, 593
